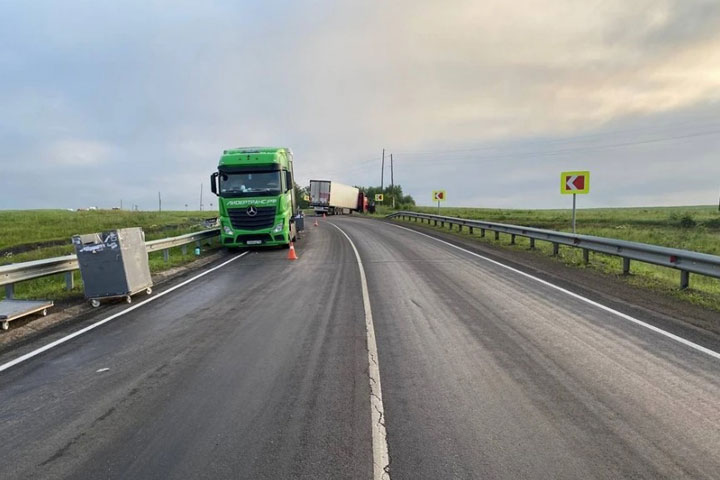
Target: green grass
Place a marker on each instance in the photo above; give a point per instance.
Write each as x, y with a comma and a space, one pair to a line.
31, 230
689, 228
34, 228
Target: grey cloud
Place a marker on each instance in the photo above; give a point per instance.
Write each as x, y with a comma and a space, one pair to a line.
165, 86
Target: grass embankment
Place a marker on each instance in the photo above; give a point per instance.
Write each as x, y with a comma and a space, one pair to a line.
27, 235
689, 228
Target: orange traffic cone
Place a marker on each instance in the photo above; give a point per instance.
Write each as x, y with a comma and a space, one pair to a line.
291, 254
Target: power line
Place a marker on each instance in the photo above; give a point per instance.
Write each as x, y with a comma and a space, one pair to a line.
569, 150
445, 153
640, 142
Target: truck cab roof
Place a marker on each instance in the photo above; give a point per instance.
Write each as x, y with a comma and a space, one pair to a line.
256, 156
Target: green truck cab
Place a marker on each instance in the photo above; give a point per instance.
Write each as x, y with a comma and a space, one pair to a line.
256, 197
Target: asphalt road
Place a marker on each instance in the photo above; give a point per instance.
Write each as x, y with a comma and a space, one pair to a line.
260, 370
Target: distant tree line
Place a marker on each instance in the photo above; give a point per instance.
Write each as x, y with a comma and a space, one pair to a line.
401, 201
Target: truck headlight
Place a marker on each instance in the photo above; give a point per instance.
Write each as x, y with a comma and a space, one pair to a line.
279, 227
228, 230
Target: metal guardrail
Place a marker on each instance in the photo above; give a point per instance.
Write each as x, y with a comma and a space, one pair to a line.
21, 272
685, 261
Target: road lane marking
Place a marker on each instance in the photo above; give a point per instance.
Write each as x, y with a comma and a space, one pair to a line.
624, 316
381, 459
62, 340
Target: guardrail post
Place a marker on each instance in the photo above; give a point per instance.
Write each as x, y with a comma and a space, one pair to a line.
10, 291
442, 224
586, 256
684, 279
482, 232
184, 250
166, 254
556, 249
626, 266
69, 281
471, 230
497, 235
435, 223
512, 239
460, 228
532, 243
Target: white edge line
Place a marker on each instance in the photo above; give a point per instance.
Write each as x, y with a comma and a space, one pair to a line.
624, 316
381, 459
62, 340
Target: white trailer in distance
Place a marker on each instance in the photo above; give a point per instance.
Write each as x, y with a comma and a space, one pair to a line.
333, 198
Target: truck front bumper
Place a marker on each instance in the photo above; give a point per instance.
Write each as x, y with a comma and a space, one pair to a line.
255, 239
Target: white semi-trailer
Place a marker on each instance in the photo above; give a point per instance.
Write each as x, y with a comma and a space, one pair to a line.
333, 198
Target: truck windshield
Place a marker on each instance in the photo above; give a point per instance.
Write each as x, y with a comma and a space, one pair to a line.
250, 184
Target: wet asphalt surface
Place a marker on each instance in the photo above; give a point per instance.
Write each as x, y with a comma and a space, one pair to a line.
259, 370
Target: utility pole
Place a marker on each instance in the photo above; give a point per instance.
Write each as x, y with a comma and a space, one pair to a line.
392, 181
121, 204
382, 172
159, 202
201, 193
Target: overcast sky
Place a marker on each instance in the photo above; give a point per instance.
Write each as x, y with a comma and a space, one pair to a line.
108, 100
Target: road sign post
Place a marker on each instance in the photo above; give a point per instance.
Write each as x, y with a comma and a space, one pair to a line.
574, 207
439, 196
574, 183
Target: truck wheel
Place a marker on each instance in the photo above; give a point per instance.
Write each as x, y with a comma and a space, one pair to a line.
95, 303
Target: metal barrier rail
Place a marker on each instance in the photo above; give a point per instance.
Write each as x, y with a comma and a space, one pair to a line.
21, 272
685, 261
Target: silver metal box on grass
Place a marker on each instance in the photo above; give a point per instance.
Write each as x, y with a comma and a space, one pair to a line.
113, 264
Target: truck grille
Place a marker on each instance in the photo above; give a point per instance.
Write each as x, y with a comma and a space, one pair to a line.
240, 219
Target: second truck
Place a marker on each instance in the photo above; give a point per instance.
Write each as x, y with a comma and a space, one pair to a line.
334, 198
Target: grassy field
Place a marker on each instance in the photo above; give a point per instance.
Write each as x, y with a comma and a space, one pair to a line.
34, 234
694, 228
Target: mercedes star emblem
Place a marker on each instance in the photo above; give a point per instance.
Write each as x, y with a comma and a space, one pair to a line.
251, 211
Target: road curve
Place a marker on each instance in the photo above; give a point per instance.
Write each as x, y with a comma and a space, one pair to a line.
489, 374
260, 370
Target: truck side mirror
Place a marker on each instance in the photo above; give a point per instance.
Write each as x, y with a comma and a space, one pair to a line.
288, 180
214, 183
